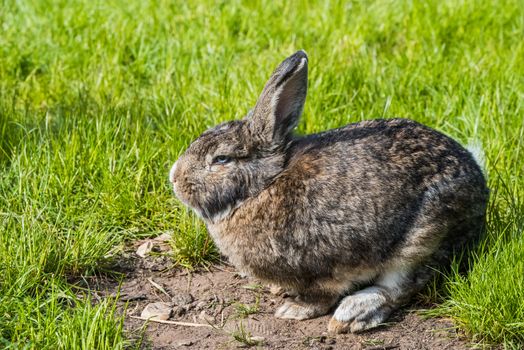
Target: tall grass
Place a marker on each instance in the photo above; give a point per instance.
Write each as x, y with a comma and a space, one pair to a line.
98, 98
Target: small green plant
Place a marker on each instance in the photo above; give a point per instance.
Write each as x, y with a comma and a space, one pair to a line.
243, 336
244, 310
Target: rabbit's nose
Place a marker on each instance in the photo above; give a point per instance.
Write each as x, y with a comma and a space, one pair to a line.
172, 178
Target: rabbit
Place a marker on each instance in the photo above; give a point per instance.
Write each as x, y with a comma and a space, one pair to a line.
354, 219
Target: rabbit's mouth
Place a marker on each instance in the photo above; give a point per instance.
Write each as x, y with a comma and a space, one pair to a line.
210, 209
184, 195
181, 195
211, 215
206, 211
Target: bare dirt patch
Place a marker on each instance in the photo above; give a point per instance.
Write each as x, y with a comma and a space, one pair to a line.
222, 310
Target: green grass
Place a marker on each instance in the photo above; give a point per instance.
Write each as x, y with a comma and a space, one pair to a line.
242, 336
98, 98
52, 316
244, 310
488, 302
191, 245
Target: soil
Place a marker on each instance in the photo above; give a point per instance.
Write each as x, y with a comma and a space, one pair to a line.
226, 311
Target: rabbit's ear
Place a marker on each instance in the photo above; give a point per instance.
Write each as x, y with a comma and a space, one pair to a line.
280, 104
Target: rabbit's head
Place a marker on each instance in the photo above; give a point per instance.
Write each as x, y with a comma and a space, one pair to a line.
236, 160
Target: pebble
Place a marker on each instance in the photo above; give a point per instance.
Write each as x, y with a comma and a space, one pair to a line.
164, 237
144, 249
157, 311
185, 343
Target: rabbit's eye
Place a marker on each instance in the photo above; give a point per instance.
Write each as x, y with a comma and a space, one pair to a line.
221, 159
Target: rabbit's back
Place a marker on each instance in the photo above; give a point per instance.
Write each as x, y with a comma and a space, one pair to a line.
382, 179
380, 158
398, 146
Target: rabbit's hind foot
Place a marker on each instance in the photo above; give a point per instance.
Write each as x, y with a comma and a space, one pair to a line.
370, 307
360, 311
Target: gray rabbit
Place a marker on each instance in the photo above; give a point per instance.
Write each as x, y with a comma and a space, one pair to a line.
354, 219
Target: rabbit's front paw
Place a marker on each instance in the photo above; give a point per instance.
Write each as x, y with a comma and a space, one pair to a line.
363, 310
301, 311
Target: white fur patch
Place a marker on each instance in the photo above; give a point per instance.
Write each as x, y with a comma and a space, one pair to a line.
172, 173
475, 148
393, 279
303, 61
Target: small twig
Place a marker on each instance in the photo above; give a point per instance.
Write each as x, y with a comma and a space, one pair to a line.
186, 324
222, 323
189, 281
220, 307
159, 287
